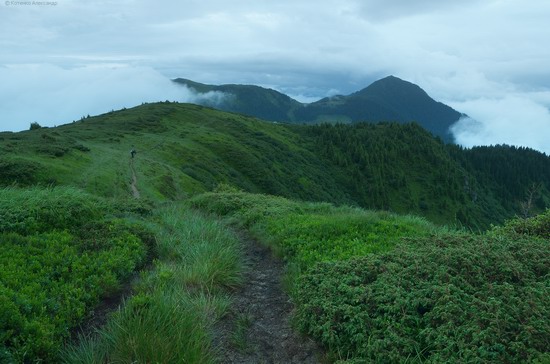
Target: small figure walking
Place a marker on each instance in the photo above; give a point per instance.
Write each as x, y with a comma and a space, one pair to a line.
133, 153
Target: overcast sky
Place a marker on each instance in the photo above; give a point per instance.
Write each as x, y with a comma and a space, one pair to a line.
489, 59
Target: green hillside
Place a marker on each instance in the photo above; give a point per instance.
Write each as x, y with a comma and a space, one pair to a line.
388, 99
186, 149
263, 103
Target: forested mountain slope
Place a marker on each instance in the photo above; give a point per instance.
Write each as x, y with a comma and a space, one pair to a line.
388, 99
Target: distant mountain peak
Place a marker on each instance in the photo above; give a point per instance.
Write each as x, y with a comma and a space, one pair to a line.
393, 84
387, 99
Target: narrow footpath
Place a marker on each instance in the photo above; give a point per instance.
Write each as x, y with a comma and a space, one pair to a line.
258, 330
133, 182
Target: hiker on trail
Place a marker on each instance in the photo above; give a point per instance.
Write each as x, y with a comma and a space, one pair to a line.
133, 152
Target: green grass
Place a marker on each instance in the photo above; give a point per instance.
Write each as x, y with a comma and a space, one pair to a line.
341, 233
306, 233
197, 250
176, 303
239, 335
165, 326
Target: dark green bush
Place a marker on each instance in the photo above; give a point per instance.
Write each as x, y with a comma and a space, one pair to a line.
534, 226
18, 171
81, 147
455, 298
35, 126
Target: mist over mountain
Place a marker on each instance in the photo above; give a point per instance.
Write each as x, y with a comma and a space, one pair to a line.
388, 99
260, 102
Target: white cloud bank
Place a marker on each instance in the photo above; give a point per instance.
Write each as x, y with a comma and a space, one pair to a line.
514, 119
51, 95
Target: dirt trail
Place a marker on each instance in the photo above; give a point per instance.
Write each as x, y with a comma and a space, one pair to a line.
133, 183
258, 329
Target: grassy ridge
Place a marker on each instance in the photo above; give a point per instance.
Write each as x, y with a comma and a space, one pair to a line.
376, 287
170, 317
182, 149
188, 149
60, 255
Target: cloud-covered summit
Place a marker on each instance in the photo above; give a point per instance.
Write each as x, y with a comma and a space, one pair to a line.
476, 54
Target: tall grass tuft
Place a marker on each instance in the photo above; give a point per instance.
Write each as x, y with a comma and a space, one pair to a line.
208, 254
170, 318
164, 327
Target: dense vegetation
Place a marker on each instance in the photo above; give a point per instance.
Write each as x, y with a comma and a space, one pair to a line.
402, 168
376, 287
312, 232
60, 255
519, 171
63, 250
447, 299
169, 318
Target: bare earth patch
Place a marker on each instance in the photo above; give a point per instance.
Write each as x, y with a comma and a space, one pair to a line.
257, 330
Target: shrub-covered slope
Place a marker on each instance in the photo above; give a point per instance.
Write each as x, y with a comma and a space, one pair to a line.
60, 254
376, 287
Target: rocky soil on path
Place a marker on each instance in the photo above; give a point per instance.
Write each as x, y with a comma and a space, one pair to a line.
258, 330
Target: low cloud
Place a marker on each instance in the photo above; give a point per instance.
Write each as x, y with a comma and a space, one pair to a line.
514, 120
51, 95
210, 98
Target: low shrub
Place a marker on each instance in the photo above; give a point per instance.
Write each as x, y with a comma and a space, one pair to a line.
536, 226
456, 298
59, 255
18, 171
